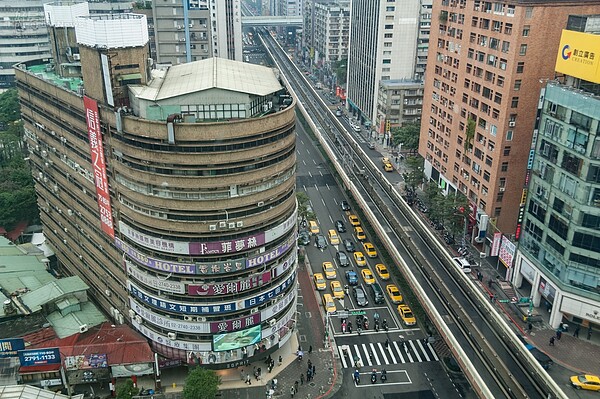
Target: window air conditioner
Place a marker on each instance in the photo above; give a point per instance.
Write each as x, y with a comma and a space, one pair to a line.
512, 124
172, 336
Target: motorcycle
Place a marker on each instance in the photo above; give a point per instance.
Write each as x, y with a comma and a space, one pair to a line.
383, 375
349, 327
376, 325
373, 377
384, 325
366, 324
357, 377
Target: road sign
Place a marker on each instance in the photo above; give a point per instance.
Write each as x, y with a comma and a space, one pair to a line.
504, 300
357, 313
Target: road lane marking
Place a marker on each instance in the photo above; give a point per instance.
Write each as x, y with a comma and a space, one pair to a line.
385, 359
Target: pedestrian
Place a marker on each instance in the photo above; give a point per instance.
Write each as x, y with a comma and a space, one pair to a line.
242, 375
558, 334
529, 328
371, 356
280, 360
248, 379
387, 343
296, 385
589, 333
310, 349
552, 341
490, 282
292, 391
576, 333
301, 378
314, 370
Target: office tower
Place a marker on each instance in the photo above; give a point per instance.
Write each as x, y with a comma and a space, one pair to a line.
326, 29
484, 70
170, 192
197, 29
559, 250
383, 46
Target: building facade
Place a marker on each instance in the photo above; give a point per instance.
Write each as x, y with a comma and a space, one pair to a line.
383, 46
202, 29
481, 91
326, 30
398, 102
559, 249
170, 192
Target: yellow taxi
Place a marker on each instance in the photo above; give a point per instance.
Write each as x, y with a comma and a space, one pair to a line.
336, 289
329, 270
370, 250
329, 304
360, 259
313, 227
319, 281
394, 293
385, 160
587, 381
388, 167
359, 233
354, 220
382, 271
367, 275
407, 315
334, 239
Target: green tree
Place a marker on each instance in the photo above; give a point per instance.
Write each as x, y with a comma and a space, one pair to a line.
304, 209
125, 390
341, 69
414, 175
10, 110
470, 133
407, 135
17, 194
201, 384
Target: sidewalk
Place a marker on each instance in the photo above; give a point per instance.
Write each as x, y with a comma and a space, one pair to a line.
577, 354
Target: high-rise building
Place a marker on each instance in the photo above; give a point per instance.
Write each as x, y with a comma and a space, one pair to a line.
170, 192
484, 72
196, 30
559, 251
326, 29
383, 46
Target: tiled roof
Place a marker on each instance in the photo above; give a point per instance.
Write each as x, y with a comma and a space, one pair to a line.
121, 344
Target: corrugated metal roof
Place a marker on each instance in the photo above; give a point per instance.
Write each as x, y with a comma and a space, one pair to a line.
68, 325
22, 271
28, 392
211, 73
52, 291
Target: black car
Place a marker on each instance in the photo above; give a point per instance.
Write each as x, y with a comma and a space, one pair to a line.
360, 296
303, 238
345, 206
349, 245
340, 227
342, 258
320, 241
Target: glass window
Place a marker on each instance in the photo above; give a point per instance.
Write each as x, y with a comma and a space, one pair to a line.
517, 85
526, 31
520, 67
523, 49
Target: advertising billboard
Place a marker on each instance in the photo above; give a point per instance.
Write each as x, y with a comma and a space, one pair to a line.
35, 357
579, 55
10, 347
237, 339
99, 165
91, 361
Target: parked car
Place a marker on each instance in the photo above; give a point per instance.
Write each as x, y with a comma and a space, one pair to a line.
313, 227
303, 238
342, 259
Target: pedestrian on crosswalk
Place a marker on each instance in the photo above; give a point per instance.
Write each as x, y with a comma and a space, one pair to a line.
387, 343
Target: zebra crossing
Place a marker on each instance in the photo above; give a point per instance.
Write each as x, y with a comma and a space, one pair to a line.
376, 354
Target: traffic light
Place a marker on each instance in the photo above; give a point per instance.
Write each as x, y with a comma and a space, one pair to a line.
387, 125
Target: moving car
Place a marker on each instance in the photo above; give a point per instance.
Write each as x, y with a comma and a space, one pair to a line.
394, 293
407, 315
587, 381
342, 259
385, 160
303, 238
320, 241
329, 304
313, 227
334, 239
352, 277
340, 227
382, 271
329, 271
337, 290
345, 205
354, 221
371, 145
462, 264
360, 296
367, 275
320, 284
377, 293
388, 167
359, 258
360, 233
349, 245
370, 250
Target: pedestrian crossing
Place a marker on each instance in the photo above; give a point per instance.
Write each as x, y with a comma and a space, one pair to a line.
377, 354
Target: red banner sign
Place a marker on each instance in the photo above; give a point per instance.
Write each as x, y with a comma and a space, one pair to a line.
99, 165
232, 287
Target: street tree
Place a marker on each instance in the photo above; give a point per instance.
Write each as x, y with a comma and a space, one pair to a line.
414, 175
407, 135
10, 110
341, 69
125, 389
304, 209
201, 383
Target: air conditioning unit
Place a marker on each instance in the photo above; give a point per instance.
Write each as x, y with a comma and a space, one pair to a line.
200, 318
83, 328
512, 124
107, 292
482, 255
76, 57
66, 230
182, 39
131, 313
70, 212
172, 336
212, 227
139, 319
179, 26
223, 224
232, 225
187, 318
260, 203
272, 322
240, 224
254, 310
502, 189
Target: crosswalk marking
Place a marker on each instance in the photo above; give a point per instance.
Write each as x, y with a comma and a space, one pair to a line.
375, 354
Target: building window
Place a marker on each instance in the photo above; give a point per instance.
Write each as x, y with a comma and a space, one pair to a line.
526, 31
523, 49
387, 61
504, 166
390, 8
528, 12
497, 211
514, 103
486, 175
558, 226
517, 85
520, 67
509, 135
387, 35
507, 151
389, 26
500, 196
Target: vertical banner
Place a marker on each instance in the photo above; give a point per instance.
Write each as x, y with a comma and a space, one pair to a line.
99, 165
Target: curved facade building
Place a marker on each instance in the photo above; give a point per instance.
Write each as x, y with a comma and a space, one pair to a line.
182, 212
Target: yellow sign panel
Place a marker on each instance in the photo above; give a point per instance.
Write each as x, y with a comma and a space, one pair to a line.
579, 55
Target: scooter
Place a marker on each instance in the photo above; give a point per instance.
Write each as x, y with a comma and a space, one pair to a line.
383, 375
357, 377
376, 325
373, 377
366, 324
384, 325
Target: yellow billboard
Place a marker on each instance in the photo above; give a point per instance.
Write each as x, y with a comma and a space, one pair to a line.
579, 55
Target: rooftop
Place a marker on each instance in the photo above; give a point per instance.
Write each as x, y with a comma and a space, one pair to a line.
46, 72
207, 74
28, 392
52, 291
